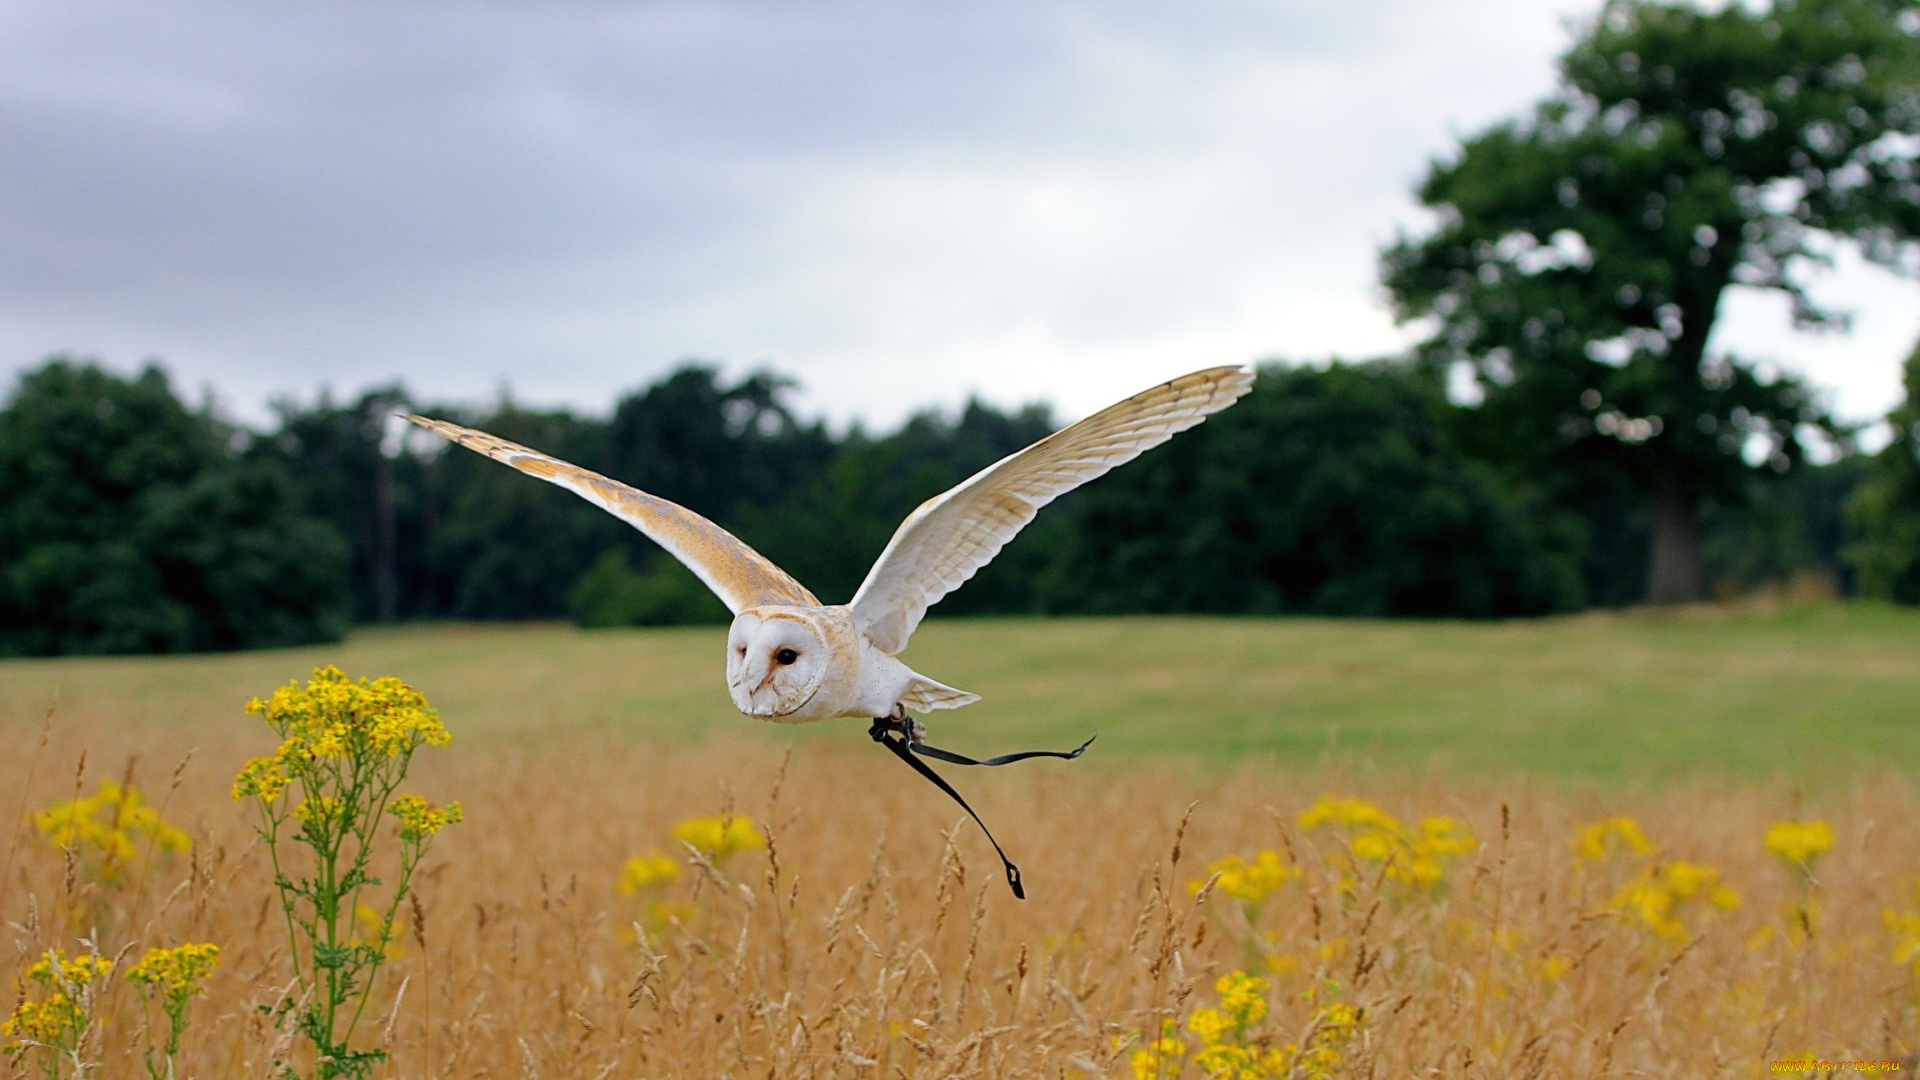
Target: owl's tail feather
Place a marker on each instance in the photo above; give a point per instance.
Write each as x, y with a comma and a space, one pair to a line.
925, 695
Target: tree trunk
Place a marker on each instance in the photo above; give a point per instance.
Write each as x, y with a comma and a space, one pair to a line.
385, 578
1673, 564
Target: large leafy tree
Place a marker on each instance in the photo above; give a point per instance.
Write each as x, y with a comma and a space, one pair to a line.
1581, 254
129, 524
353, 472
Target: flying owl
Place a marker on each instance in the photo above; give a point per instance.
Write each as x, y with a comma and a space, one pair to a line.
792, 659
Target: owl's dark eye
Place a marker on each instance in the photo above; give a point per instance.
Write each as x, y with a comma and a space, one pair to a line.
785, 656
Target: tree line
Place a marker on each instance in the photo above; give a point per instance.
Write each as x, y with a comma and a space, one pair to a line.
1562, 436
133, 523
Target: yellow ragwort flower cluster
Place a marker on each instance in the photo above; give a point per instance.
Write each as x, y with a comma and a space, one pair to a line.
643, 872
317, 813
50, 1022
645, 878
1333, 1028
1251, 881
420, 819
1158, 1058
1609, 836
55, 969
1232, 1047
57, 1020
1348, 813
105, 828
178, 973
719, 837
1223, 1030
1799, 842
332, 717
1411, 857
1663, 892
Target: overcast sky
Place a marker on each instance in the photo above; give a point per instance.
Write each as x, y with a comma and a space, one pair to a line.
899, 203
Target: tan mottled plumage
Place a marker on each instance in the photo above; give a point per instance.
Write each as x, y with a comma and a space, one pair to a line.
950, 537
791, 658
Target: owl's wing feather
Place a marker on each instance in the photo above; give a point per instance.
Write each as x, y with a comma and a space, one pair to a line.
951, 536
739, 575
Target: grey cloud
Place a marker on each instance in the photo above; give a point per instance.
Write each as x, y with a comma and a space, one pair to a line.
898, 201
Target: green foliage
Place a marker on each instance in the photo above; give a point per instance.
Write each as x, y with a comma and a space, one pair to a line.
715, 449
1332, 492
506, 545
129, 526
666, 593
1581, 256
348, 475
1885, 511
1787, 528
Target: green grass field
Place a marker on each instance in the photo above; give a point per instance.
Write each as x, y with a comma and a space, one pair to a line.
1815, 693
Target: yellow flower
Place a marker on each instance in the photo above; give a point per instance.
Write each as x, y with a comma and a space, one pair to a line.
1348, 812
1799, 842
1227, 1060
54, 968
105, 828
370, 927
55, 1021
1375, 845
1251, 882
1418, 859
1659, 893
1211, 1025
420, 819
1602, 838
1161, 1058
719, 837
317, 813
1554, 966
645, 871
1243, 998
264, 777
177, 972
332, 717
1905, 928
1446, 836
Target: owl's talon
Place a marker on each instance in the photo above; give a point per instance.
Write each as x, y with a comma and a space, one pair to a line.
914, 730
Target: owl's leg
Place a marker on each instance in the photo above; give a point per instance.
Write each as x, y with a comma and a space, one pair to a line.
915, 731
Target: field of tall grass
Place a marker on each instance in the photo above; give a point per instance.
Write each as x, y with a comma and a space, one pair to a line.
743, 904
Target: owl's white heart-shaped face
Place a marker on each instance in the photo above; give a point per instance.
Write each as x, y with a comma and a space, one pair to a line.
776, 661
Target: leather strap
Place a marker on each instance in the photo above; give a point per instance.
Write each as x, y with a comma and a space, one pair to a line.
897, 736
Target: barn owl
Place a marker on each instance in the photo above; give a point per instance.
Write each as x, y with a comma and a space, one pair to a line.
792, 659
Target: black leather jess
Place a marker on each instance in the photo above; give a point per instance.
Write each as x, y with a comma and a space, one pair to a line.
896, 734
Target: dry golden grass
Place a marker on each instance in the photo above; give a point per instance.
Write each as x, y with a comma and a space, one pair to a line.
875, 937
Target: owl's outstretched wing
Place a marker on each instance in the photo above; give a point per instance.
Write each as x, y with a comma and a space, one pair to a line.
950, 537
739, 575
